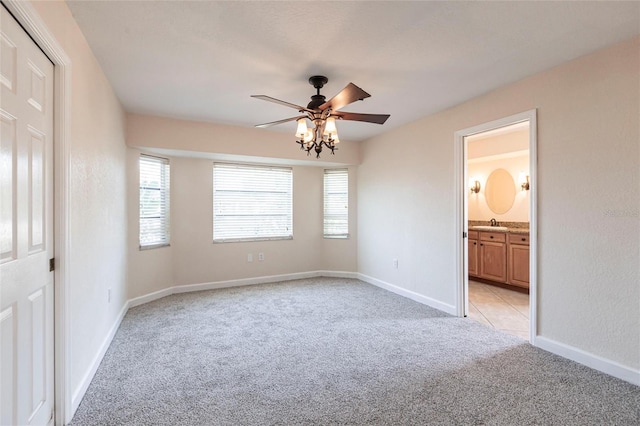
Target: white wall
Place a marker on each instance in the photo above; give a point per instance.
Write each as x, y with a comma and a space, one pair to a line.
588, 200
97, 198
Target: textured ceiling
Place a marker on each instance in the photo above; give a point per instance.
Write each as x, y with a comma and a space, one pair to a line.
202, 60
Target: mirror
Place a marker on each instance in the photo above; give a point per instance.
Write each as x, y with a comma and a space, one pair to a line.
500, 191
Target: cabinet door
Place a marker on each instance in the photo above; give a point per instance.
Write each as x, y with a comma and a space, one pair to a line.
519, 265
473, 257
493, 261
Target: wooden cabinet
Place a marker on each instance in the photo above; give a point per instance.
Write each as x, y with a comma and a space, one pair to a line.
499, 257
473, 253
492, 256
518, 257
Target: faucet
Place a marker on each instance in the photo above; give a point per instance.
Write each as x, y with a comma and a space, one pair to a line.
493, 222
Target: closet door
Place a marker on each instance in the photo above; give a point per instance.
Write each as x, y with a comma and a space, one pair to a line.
26, 229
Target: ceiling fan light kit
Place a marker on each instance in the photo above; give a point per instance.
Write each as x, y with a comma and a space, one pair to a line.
323, 115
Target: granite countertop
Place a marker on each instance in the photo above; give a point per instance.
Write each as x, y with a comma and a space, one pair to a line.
512, 227
518, 230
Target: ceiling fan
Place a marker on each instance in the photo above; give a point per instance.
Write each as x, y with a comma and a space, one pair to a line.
323, 114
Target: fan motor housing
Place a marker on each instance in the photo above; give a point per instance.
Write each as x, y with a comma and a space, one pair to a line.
317, 81
316, 101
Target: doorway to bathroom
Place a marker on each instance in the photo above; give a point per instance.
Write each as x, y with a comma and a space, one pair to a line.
496, 224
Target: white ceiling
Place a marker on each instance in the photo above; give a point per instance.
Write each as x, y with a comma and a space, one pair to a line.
202, 60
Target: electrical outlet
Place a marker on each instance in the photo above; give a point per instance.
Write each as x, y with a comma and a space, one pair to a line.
260, 257
250, 257
395, 263
108, 295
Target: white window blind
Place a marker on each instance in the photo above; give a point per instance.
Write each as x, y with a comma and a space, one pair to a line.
336, 203
252, 202
154, 201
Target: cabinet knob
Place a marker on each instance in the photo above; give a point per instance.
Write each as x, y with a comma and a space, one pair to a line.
491, 236
475, 244
481, 244
524, 239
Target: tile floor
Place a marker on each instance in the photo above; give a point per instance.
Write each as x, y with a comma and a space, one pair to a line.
500, 308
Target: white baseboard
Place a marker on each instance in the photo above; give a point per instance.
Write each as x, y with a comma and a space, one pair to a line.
150, 297
78, 394
450, 309
338, 274
137, 301
245, 281
604, 365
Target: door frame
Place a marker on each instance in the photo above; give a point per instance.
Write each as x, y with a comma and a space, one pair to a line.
26, 15
462, 213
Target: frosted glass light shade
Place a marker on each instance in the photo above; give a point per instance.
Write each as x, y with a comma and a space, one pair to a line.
330, 126
308, 135
523, 181
302, 128
474, 185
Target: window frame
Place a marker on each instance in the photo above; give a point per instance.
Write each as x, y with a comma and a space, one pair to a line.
326, 198
253, 168
165, 196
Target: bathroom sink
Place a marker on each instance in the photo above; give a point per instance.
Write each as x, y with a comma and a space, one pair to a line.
489, 228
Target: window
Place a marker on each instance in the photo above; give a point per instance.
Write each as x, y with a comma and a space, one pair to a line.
252, 202
336, 203
154, 202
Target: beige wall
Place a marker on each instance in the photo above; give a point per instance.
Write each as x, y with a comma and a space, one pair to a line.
222, 140
490, 151
97, 198
481, 169
588, 200
489, 144
589, 231
149, 270
193, 258
198, 260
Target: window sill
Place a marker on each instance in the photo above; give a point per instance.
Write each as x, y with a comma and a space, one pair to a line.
336, 237
153, 246
250, 240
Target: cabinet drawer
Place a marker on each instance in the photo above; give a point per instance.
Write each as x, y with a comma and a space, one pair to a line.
493, 236
473, 235
519, 239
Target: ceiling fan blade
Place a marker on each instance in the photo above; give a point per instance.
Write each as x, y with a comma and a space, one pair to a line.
369, 118
273, 123
278, 101
349, 94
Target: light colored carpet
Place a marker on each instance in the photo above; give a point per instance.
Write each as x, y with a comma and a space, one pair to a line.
335, 351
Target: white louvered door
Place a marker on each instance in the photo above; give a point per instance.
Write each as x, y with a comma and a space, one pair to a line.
26, 229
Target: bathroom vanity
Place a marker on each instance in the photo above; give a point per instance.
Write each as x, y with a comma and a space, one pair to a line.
500, 255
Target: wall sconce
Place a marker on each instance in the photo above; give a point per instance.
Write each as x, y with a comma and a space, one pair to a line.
474, 185
524, 181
